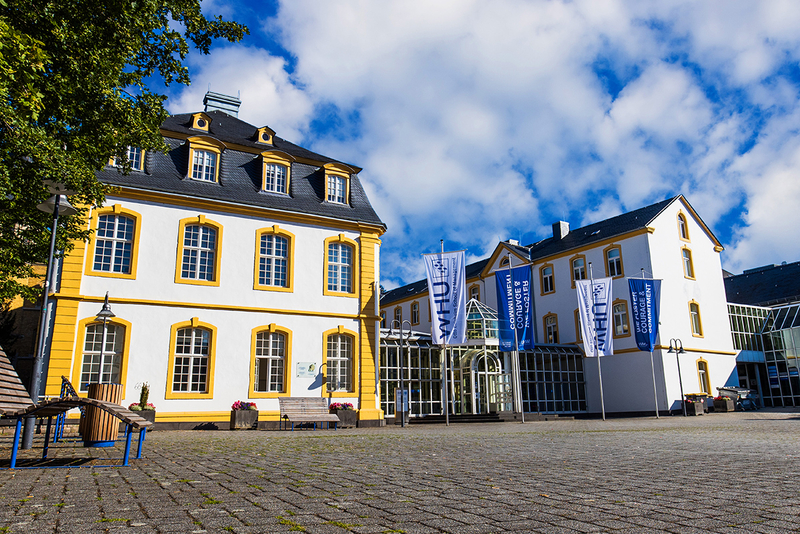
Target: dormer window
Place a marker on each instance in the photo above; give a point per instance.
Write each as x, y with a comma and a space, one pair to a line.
277, 167
135, 157
337, 183
265, 135
204, 158
204, 166
201, 121
337, 189
275, 178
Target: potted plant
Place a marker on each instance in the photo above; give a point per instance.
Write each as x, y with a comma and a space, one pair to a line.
144, 408
694, 406
348, 417
244, 415
723, 404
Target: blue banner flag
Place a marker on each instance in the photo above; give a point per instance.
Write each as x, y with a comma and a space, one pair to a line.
515, 308
645, 304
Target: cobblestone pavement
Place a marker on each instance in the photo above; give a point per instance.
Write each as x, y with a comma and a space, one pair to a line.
721, 473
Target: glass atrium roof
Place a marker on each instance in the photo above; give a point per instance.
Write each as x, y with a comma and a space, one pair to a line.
481, 321
783, 318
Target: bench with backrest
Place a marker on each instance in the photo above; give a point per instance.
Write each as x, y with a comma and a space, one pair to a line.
306, 410
15, 403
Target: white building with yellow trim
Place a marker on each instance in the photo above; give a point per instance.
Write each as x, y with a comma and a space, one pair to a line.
667, 241
239, 267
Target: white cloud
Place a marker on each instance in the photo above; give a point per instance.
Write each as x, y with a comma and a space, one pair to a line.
474, 121
269, 97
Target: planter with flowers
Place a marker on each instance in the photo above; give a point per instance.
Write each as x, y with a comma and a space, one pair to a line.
694, 406
723, 404
348, 417
244, 415
143, 408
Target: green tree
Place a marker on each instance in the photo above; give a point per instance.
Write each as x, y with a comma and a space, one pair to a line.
74, 91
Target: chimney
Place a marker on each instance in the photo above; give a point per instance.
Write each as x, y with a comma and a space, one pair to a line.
224, 103
514, 242
560, 230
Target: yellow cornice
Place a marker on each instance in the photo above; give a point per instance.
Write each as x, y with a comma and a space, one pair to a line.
239, 209
702, 351
207, 306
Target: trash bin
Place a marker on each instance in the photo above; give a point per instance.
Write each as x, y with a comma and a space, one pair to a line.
101, 428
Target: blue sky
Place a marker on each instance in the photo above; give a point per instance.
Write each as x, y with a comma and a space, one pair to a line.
479, 121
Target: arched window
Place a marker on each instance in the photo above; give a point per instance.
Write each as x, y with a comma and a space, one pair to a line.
339, 362
578, 265
341, 273
547, 279
614, 261
269, 375
694, 317
688, 266
475, 292
383, 319
683, 227
114, 244
113, 247
199, 246
415, 313
190, 374
621, 325
702, 376
102, 355
551, 328
398, 315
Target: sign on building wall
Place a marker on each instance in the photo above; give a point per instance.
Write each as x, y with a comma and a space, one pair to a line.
594, 305
447, 291
645, 304
514, 307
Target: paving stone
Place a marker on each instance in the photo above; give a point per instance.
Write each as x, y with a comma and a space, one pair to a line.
675, 474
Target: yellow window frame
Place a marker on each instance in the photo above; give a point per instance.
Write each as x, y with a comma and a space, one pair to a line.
621, 260
353, 368
202, 221
77, 361
194, 322
287, 362
552, 279
354, 245
699, 319
209, 144
275, 230
614, 304
276, 158
118, 210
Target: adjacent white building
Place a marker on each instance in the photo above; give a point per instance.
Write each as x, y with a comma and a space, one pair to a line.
666, 241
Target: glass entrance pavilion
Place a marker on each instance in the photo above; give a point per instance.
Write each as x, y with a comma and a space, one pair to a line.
479, 374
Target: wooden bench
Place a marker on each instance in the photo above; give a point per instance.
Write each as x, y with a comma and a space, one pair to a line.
306, 410
15, 403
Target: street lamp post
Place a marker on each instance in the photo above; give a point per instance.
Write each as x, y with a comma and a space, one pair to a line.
403, 341
676, 347
104, 315
57, 206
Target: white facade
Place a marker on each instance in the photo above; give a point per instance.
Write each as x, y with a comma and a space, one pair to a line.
655, 248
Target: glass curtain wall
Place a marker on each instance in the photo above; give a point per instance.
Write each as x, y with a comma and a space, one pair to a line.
421, 372
552, 379
781, 338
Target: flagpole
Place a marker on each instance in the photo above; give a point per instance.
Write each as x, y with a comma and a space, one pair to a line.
597, 345
653, 371
515, 370
445, 375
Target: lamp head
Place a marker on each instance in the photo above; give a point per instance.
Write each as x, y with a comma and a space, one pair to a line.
64, 207
105, 313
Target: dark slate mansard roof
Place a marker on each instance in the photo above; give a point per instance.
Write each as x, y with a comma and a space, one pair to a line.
619, 225
240, 173
772, 285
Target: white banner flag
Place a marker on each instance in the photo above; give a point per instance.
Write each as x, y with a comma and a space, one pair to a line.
594, 303
448, 296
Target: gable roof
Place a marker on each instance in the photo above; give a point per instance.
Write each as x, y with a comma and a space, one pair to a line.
592, 233
240, 172
421, 286
771, 285
580, 237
